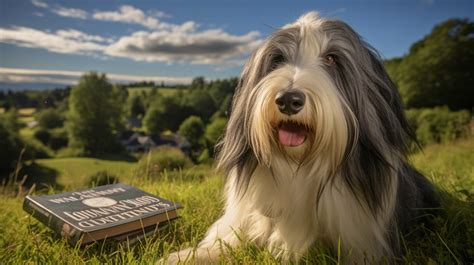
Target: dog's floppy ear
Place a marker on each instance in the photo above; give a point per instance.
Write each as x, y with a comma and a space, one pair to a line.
395, 118
382, 130
234, 154
234, 151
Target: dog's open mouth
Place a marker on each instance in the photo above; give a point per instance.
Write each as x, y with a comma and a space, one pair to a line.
292, 133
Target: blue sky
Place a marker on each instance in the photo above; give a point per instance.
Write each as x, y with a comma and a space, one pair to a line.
50, 43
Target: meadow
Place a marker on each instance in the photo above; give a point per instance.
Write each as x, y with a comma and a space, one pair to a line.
165, 91
450, 239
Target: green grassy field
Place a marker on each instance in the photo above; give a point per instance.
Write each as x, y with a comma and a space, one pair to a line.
74, 172
26, 112
199, 190
25, 131
165, 91
449, 166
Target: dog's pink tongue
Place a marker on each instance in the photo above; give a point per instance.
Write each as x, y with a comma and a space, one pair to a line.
291, 135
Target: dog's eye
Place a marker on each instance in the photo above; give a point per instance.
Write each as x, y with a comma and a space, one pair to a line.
277, 60
330, 59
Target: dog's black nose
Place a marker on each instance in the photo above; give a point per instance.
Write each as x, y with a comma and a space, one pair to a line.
290, 101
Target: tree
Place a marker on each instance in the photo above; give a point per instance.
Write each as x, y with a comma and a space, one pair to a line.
214, 132
120, 93
392, 66
220, 89
200, 103
164, 113
11, 120
192, 129
50, 118
95, 115
10, 146
198, 83
137, 108
438, 69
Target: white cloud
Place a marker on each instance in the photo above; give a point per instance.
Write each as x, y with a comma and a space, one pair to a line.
131, 15
127, 14
19, 75
168, 42
54, 42
39, 3
70, 12
206, 47
12, 78
61, 10
81, 36
163, 42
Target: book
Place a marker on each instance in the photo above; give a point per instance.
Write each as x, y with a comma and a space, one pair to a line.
115, 211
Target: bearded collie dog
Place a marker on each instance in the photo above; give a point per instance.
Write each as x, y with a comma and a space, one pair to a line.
315, 151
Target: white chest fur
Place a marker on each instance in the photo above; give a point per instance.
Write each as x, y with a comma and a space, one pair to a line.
281, 211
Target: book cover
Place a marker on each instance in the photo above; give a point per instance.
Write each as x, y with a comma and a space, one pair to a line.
103, 212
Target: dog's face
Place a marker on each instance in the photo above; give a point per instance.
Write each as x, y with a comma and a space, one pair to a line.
313, 89
295, 105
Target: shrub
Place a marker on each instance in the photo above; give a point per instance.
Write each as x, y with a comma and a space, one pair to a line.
35, 149
58, 139
54, 139
70, 152
10, 146
192, 129
10, 120
42, 135
215, 130
438, 125
204, 157
159, 159
101, 178
50, 118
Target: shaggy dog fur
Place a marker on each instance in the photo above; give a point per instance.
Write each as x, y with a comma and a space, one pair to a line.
315, 151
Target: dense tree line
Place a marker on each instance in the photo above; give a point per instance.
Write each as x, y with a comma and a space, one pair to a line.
55, 98
438, 70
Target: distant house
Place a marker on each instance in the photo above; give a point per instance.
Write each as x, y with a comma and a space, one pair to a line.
173, 140
138, 142
32, 124
129, 140
133, 122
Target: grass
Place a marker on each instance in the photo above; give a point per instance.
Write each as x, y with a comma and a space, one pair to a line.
449, 166
25, 131
199, 190
26, 112
168, 91
26, 119
74, 172
165, 91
